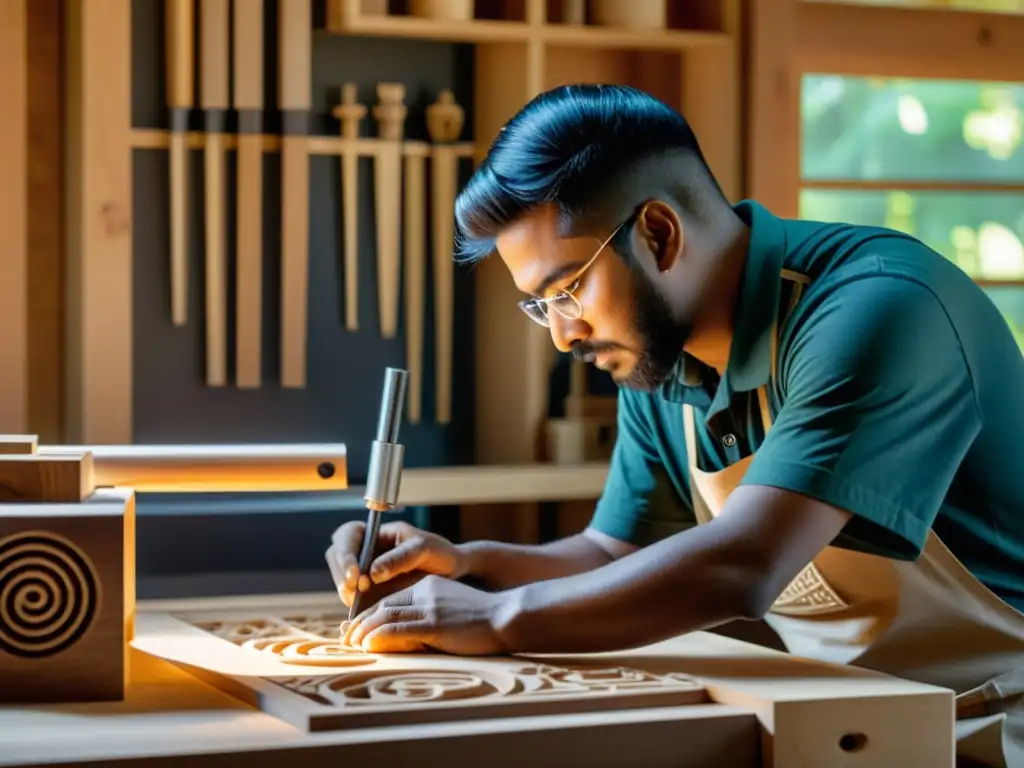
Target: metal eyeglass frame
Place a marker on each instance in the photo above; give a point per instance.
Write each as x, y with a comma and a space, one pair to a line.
564, 302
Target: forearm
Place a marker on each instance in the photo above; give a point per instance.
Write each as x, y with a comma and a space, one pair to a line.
688, 582
504, 566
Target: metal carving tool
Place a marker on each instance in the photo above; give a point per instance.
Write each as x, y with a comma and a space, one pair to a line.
384, 475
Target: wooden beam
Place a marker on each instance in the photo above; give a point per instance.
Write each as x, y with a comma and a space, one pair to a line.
773, 141
908, 42
46, 219
711, 101
99, 231
14, 204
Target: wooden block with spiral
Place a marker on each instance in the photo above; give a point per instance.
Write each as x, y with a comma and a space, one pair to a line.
67, 598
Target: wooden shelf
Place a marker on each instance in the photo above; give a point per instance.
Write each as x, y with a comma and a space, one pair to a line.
571, 36
488, 31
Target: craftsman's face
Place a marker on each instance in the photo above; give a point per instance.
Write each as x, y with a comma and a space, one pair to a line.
626, 326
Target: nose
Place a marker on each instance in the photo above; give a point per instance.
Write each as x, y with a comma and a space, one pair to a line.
565, 331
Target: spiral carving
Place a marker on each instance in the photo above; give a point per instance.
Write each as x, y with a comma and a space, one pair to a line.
49, 594
415, 687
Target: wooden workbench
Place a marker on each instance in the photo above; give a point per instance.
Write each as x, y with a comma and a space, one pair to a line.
770, 710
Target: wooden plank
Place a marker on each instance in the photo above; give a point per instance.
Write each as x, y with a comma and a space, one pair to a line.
46, 219
915, 185
99, 232
294, 83
711, 102
904, 42
214, 100
773, 147
248, 100
512, 354
14, 203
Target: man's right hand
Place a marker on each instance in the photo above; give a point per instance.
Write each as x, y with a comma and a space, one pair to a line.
405, 555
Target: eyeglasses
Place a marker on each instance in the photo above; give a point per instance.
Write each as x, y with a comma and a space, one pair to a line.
564, 302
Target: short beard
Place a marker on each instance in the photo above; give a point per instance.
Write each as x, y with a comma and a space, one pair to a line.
662, 337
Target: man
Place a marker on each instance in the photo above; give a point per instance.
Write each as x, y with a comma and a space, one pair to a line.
819, 424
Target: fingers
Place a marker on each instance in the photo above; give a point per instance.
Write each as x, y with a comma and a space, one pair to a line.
405, 558
338, 576
344, 550
402, 637
381, 615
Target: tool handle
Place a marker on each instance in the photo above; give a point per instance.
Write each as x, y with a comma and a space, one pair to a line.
391, 403
365, 557
216, 468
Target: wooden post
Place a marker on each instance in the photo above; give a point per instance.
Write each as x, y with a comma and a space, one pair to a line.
99, 232
13, 202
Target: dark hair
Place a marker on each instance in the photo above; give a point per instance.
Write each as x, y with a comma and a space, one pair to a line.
563, 148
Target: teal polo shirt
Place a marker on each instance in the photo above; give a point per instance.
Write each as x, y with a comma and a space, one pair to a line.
899, 397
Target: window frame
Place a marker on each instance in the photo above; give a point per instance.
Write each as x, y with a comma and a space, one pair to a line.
790, 38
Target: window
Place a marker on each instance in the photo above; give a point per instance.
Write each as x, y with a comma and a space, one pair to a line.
940, 160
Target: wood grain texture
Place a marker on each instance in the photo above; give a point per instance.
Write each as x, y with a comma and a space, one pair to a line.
248, 95
214, 95
99, 233
14, 147
69, 566
27, 479
294, 83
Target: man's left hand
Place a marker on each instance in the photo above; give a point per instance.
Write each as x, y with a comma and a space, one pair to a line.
434, 614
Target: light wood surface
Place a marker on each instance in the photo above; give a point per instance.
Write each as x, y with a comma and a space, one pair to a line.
248, 96
170, 716
214, 94
414, 281
14, 329
295, 47
389, 113
801, 710
215, 468
99, 321
179, 53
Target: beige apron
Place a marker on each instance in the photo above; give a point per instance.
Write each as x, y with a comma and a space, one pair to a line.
929, 620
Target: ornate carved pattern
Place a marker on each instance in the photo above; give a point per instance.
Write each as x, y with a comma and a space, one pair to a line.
809, 594
308, 640
49, 594
412, 687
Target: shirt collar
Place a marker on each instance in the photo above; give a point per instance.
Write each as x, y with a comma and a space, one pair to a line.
749, 365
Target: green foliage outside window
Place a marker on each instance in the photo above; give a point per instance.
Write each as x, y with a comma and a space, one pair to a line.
924, 131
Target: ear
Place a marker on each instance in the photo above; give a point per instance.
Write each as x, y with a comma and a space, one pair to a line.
660, 229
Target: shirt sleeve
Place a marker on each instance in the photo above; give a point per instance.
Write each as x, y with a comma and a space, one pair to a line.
878, 412
640, 504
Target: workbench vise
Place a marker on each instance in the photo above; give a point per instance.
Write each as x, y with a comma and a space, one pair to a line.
67, 548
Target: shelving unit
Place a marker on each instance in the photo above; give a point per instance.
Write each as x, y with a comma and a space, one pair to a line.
522, 49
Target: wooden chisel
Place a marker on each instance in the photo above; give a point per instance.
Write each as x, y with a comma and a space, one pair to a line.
180, 19
214, 98
248, 100
295, 25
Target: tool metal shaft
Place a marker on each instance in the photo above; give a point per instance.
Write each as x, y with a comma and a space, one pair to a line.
384, 474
